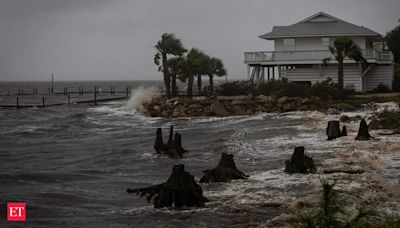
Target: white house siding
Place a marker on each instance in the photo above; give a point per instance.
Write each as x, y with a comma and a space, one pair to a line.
351, 74
309, 44
315, 43
379, 74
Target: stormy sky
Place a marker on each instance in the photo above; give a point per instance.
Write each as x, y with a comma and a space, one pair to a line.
114, 39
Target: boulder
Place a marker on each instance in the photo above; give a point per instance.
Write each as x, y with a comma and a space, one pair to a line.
240, 102
283, 100
219, 109
266, 99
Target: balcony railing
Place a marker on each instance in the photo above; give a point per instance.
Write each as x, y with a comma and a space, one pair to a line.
271, 56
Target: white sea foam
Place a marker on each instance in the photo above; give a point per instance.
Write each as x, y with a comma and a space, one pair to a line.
140, 96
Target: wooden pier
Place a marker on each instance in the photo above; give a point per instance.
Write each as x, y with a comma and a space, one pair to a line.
21, 99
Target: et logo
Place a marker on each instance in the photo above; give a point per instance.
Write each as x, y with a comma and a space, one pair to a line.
16, 211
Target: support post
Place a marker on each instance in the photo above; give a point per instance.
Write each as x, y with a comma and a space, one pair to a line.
52, 83
273, 72
17, 102
69, 99
42, 101
95, 95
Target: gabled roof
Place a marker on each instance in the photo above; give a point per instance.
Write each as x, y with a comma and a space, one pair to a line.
320, 24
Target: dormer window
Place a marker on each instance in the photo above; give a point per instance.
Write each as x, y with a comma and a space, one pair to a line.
288, 44
325, 42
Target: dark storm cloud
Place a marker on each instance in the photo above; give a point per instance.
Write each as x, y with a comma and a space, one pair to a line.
113, 39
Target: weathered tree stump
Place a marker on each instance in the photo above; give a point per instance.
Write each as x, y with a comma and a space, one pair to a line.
225, 171
171, 134
363, 133
173, 148
159, 144
344, 130
180, 190
333, 130
300, 163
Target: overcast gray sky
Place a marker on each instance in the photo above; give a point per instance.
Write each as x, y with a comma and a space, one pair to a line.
113, 39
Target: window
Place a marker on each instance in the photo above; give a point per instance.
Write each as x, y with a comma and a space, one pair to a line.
288, 44
325, 42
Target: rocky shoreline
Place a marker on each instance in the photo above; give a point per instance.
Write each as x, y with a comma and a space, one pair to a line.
227, 106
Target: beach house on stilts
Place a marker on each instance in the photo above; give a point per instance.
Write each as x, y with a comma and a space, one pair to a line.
300, 48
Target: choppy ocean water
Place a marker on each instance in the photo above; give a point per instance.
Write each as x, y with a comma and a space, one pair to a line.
72, 165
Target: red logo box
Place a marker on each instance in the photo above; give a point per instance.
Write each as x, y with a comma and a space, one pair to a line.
16, 211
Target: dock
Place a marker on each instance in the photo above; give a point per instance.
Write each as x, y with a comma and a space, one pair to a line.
22, 99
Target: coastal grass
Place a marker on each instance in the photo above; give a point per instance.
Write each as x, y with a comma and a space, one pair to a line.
330, 211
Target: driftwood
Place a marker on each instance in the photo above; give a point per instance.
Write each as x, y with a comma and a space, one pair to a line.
363, 133
348, 171
300, 163
333, 130
394, 132
225, 171
173, 148
180, 190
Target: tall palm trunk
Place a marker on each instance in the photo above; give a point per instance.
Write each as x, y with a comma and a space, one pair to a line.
174, 89
199, 84
211, 84
167, 80
340, 72
190, 86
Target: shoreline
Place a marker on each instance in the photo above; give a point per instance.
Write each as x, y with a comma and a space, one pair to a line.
224, 106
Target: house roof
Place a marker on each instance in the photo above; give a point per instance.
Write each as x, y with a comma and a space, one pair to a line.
320, 24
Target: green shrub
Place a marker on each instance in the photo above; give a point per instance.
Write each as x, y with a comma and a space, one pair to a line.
280, 88
329, 90
235, 88
330, 212
345, 107
381, 88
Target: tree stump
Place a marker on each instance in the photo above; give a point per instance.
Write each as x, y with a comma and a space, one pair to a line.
344, 130
333, 130
225, 171
300, 163
171, 134
363, 133
159, 144
180, 190
173, 148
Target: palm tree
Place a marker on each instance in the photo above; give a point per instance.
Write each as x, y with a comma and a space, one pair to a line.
215, 67
174, 70
168, 45
342, 48
190, 65
202, 61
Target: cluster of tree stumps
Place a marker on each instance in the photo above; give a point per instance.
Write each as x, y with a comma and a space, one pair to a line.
180, 190
333, 131
173, 148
